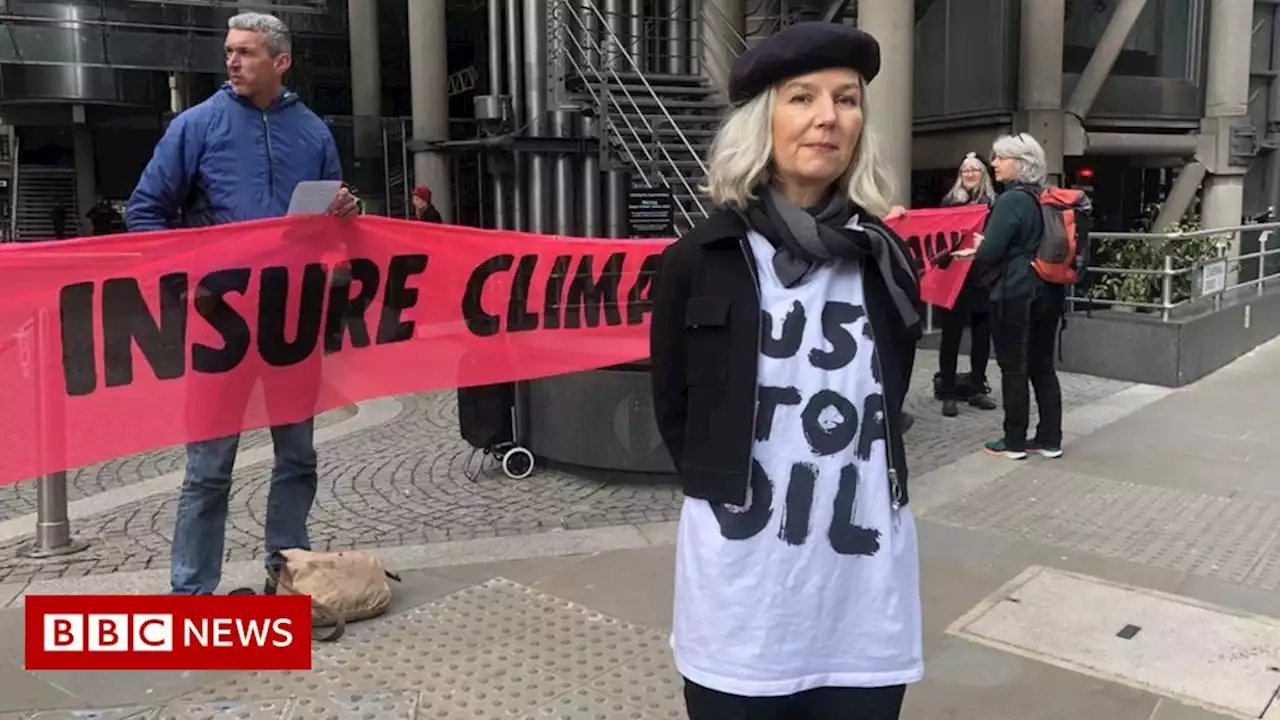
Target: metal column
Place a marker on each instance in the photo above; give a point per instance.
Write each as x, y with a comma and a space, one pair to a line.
676, 18
1226, 106
1040, 79
591, 179
634, 35
626, 22
429, 89
1273, 117
86, 175
617, 188
366, 102
723, 24
562, 125
501, 220
515, 91
535, 89
889, 103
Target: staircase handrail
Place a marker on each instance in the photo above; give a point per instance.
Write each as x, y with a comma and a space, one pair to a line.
644, 174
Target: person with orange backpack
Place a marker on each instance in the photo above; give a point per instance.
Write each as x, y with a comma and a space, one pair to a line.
1034, 247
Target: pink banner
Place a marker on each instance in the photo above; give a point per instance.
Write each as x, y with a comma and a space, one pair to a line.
125, 343
930, 232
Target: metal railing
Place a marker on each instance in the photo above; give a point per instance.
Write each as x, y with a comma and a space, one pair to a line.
1212, 278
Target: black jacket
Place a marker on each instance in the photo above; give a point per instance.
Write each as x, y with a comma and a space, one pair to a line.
705, 338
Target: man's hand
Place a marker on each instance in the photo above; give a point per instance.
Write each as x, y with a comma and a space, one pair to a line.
895, 212
344, 205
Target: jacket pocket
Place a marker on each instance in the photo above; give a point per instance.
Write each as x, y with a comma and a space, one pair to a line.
706, 327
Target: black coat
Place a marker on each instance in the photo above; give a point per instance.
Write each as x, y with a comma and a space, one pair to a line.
705, 338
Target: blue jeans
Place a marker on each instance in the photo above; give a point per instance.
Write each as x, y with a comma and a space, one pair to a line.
200, 533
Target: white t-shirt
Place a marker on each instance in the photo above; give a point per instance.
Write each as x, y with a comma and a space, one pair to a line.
815, 582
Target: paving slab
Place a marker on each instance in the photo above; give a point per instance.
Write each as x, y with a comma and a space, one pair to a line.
1212, 657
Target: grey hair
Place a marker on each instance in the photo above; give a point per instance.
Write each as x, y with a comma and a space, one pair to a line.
960, 194
742, 152
273, 27
1026, 154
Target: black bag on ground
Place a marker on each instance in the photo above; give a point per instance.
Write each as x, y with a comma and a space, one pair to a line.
484, 414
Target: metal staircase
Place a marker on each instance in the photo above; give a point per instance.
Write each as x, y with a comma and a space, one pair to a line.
40, 189
657, 126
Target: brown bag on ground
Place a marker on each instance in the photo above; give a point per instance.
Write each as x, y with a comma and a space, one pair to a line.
344, 586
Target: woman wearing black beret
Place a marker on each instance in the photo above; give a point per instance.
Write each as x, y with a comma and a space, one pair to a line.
783, 334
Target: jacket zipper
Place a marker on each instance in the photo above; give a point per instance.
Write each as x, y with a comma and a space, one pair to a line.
271, 173
895, 488
755, 384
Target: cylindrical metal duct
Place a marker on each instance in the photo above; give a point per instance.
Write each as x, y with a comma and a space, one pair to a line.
591, 179
617, 187
677, 36
535, 78
518, 219
635, 34
619, 25
562, 124
588, 33
497, 87
1108, 143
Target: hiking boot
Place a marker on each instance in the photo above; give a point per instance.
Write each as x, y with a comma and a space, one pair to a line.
999, 449
949, 408
1044, 449
983, 401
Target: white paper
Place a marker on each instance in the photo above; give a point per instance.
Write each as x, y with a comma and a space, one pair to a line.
313, 197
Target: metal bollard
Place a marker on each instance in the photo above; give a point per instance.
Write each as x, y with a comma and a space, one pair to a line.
53, 527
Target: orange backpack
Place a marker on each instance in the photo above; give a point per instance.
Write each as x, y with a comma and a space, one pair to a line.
1063, 253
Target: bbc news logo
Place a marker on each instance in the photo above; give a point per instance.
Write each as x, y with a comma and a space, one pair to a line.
168, 632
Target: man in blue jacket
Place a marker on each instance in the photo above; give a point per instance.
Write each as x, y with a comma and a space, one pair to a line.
237, 156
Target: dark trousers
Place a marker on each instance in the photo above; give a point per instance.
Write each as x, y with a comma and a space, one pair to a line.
820, 704
1026, 333
973, 310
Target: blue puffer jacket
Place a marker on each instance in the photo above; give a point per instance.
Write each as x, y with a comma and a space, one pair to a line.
225, 160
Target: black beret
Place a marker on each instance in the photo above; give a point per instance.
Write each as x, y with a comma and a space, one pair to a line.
802, 48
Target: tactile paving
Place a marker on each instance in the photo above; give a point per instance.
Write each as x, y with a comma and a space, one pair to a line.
495, 651
648, 681
380, 706
1266, 575
584, 704
276, 709
1220, 537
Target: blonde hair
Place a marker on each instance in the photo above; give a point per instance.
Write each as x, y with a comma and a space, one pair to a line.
986, 190
741, 156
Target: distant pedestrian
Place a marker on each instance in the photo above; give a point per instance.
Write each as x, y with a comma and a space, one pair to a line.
238, 156
972, 309
423, 209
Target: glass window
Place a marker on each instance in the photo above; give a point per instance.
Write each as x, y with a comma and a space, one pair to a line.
1159, 45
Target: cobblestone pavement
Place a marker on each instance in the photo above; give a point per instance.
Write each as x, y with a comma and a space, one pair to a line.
20, 499
406, 482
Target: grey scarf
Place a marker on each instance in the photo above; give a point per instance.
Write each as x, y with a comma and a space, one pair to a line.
831, 231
